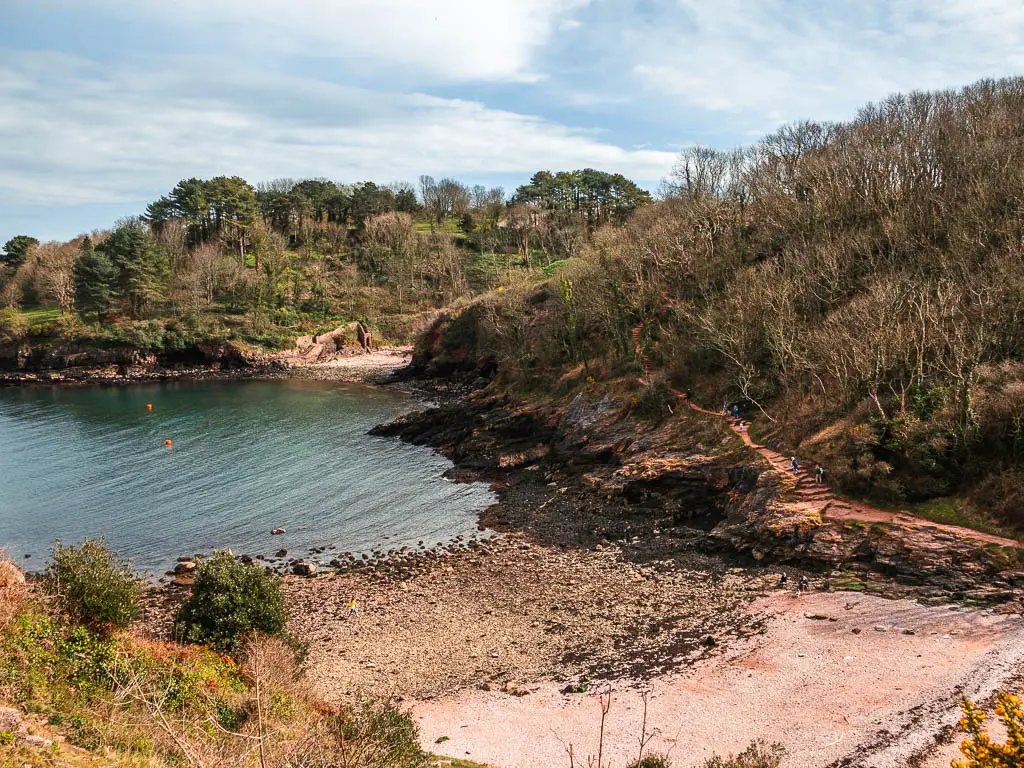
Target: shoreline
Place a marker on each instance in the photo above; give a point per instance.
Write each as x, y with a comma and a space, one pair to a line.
372, 368
503, 652
500, 649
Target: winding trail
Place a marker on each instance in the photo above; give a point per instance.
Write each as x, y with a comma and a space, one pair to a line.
821, 498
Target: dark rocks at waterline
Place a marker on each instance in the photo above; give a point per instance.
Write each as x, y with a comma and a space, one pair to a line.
281, 553
304, 569
278, 531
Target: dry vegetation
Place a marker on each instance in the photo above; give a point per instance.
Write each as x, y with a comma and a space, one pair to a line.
86, 693
857, 287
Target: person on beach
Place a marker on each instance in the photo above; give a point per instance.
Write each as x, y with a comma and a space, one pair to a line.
819, 474
796, 465
803, 585
352, 607
783, 580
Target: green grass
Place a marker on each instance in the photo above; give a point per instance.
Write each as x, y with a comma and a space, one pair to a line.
950, 511
451, 225
41, 315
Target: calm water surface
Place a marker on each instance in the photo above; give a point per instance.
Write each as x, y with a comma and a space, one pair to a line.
246, 457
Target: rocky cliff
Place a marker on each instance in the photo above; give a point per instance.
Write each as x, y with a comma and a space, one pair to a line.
691, 477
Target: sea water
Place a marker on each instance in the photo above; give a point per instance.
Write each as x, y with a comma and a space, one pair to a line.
245, 457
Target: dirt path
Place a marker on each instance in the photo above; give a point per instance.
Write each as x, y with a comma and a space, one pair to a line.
821, 498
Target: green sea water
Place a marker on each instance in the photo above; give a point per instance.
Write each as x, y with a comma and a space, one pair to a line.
245, 457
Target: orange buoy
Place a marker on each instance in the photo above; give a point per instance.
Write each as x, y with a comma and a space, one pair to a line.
167, 443
149, 406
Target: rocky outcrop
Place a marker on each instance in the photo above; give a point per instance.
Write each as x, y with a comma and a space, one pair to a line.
743, 506
120, 365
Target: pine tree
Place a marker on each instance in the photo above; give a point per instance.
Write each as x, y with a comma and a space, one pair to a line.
94, 277
140, 268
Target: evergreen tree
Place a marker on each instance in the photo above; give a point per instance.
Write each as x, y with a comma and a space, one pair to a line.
94, 277
16, 250
141, 269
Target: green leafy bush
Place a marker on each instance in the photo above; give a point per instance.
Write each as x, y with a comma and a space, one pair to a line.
230, 599
13, 326
93, 583
374, 727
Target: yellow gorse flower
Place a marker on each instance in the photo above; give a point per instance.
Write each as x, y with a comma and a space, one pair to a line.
979, 748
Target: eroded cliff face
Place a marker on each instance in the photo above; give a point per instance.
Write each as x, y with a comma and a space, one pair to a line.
692, 474
26, 364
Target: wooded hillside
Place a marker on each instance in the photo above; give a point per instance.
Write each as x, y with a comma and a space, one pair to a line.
856, 287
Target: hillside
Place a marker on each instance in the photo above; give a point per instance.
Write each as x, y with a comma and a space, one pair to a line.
855, 288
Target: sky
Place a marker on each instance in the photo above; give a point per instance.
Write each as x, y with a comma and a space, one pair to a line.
106, 104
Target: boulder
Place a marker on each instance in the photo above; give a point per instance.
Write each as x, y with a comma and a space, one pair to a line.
277, 531
10, 720
304, 569
186, 566
11, 576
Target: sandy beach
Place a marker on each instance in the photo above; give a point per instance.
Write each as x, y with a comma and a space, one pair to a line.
369, 367
489, 650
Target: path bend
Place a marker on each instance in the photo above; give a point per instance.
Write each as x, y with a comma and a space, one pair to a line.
821, 498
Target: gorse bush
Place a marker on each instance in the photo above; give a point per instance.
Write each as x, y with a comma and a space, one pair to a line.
93, 583
979, 748
229, 600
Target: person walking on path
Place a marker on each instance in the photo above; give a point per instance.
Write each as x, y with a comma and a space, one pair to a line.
796, 465
819, 475
735, 411
352, 607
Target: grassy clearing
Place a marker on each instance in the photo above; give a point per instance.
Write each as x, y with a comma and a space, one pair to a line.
951, 511
41, 316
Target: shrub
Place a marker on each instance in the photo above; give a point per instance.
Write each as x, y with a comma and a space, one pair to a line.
13, 326
230, 599
653, 760
757, 755
978, 747
12, 591
93, 583
376, 729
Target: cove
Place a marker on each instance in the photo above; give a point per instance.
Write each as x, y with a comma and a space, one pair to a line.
246, 457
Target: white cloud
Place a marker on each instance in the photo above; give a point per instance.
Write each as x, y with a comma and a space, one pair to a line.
76, 132
455, 40
779, 60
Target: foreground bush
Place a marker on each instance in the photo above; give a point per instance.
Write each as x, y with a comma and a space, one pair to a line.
13, 326
978, 747
144, 703
92, 583
653, 760
757, 755
229, 600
